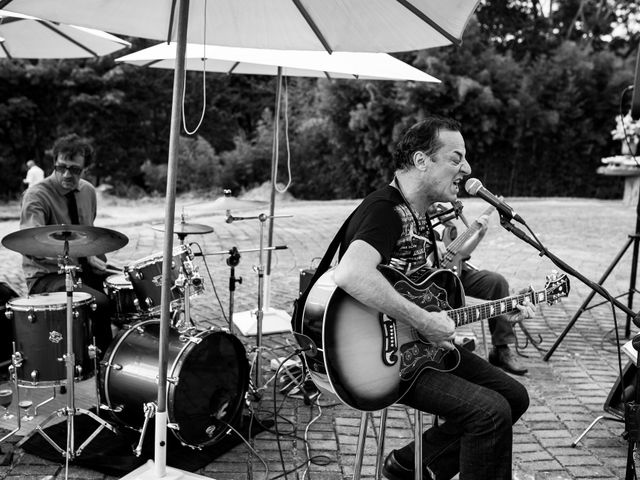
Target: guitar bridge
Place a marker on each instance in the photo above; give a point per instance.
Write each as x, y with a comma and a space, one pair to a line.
389, 340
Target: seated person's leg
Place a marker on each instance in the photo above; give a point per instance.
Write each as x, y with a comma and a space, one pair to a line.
488, 285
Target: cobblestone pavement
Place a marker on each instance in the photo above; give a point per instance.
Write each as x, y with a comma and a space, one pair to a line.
567, 392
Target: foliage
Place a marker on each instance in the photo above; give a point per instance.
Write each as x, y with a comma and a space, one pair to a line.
199, 168
537, 92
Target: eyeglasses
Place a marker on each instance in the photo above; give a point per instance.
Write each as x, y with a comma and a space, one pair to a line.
74, 170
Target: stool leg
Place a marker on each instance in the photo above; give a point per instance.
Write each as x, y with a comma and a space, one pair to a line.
417, 442
381, 437
362, 436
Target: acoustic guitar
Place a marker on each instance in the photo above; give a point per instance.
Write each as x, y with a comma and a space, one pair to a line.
369, 360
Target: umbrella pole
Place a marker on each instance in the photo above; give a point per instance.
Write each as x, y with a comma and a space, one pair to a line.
160, 450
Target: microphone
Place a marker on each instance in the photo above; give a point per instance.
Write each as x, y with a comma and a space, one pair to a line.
474, 187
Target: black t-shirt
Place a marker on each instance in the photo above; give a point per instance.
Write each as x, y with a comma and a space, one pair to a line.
384, 221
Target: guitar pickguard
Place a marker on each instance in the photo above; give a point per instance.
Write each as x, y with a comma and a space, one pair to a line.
389, 340
418, 355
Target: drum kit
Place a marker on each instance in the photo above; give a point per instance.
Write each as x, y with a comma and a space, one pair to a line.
208, 372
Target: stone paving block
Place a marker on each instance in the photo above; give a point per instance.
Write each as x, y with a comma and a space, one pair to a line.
591, 472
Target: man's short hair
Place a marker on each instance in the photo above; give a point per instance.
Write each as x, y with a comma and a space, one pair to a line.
72, 145
422, 136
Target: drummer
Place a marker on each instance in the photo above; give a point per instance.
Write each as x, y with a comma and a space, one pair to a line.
65, 198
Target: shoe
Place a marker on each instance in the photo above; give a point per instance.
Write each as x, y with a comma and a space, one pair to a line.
504, 358
392, 470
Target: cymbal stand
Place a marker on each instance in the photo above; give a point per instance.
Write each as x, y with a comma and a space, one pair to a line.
259, 269
70, 410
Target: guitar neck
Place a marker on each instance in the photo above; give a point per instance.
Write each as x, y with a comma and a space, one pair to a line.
475, 313
464, 236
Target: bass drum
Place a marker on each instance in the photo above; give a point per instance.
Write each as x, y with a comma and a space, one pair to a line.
207, 372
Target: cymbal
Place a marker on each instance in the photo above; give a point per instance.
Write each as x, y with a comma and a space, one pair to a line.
184, 228
49, 240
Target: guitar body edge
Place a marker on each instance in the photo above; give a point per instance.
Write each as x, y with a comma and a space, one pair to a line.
350, 362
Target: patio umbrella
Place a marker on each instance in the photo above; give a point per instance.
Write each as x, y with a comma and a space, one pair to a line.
332, 25
292, 63
280, 63
23, 36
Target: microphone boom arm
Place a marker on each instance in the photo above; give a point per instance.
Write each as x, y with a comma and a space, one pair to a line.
568, 269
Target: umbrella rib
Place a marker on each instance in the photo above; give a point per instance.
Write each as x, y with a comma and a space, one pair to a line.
170, 29
418, 13
6, 52
235, 65
51, 27
313, 25
150, 63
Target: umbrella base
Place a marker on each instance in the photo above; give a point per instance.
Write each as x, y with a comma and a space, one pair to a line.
148, 472
273, 321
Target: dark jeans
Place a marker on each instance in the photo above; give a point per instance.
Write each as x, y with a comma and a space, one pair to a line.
488, 285
479, 404
91, 284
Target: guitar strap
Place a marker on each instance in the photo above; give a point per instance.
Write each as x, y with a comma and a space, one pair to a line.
323, 266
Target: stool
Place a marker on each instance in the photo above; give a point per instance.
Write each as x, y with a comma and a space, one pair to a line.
362, 436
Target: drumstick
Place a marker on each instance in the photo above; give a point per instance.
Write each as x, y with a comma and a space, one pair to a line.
113, 269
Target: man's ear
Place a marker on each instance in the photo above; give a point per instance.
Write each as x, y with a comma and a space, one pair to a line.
420, 160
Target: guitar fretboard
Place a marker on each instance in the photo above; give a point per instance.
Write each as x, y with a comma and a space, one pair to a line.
475, 313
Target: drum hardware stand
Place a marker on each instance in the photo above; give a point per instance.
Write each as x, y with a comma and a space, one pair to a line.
259, 269
70, 411
184, 281
14, 378
44, 402
149, 412
232, 261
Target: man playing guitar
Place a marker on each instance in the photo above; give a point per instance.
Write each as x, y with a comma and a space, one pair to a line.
479, 401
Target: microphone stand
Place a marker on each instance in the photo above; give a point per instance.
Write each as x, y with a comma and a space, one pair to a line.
232, 261
631, 409
506, 223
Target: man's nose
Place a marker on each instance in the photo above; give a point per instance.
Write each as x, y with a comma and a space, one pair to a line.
465, 167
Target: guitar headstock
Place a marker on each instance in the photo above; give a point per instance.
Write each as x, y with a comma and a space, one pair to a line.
557, 286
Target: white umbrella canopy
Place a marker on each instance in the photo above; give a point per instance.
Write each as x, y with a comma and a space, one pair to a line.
332, 25
23, 36
293, 63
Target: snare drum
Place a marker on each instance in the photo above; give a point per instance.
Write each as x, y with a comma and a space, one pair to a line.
146, 277
207, 378
121, 295
40, 324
